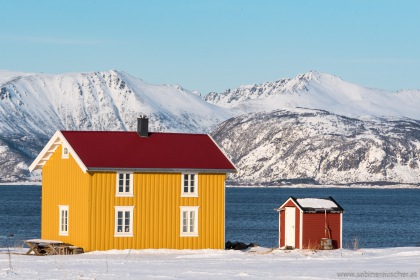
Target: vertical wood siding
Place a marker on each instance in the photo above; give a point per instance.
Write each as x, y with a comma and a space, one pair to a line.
64, 183
314, 229
157, 200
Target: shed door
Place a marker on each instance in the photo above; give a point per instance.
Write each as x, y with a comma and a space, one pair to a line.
289, 234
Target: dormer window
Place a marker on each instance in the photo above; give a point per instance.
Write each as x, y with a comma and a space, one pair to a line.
65, 153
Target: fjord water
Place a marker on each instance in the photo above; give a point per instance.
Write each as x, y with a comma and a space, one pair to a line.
376, 217
20, 214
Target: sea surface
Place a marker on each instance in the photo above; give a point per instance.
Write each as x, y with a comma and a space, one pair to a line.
373, 217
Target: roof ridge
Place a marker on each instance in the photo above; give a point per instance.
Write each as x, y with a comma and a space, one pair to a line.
119, 131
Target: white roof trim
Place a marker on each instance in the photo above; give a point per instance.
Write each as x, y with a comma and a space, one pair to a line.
56, 140
289, 199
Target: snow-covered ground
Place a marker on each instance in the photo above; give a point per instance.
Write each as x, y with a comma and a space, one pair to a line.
257, 263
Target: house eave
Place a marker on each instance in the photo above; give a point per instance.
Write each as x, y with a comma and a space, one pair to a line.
159, 170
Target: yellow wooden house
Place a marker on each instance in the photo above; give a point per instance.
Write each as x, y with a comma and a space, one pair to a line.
133, 190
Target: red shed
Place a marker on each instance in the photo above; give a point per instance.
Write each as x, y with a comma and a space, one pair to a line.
315, 223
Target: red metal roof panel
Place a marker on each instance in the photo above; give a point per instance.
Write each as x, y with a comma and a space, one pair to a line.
127, 150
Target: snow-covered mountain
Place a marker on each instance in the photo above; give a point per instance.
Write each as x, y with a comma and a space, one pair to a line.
304, 145
34, 106
317, 90
41, 104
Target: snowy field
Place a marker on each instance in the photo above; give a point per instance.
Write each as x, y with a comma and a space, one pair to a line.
257, 263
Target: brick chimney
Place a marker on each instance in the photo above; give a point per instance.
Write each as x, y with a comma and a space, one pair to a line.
143, 126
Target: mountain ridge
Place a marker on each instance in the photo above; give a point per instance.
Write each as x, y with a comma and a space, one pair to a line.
33, 106
317, 90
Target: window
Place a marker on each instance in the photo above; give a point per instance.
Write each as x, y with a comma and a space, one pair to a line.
189, 185
189, 220
124, 184
124, 221
64, 220
65, 152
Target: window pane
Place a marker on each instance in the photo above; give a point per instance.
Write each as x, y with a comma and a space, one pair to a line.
184, 221
65, 220
121, 186
127, 218
62, 220
127, 183
186, 183
192, 184
120, 221
192, 221
120, 183
127, 221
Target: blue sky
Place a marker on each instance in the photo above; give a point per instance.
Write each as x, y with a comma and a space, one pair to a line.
215, 45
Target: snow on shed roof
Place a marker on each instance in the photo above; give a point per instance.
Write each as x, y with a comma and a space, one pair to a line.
316, 203
313, 205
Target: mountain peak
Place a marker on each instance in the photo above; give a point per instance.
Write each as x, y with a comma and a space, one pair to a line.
314, 75
233, 97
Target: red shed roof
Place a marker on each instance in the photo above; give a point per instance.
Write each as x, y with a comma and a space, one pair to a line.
105, 150
313, 205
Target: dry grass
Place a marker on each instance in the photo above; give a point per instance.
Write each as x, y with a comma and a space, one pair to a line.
313, 246
354, 244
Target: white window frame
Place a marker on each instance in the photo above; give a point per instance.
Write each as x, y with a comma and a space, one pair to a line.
65, 151
188, 231
130, 191
189, 193
63, 222
124, 209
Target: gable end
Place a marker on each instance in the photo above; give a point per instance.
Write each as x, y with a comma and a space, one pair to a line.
56, 140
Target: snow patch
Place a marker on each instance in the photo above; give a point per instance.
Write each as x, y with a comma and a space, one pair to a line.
316, 203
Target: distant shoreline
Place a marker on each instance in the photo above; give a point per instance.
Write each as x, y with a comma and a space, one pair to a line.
21, 184
311, 186
285, 186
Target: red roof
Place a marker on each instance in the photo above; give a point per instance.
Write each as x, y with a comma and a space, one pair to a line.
102, 150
